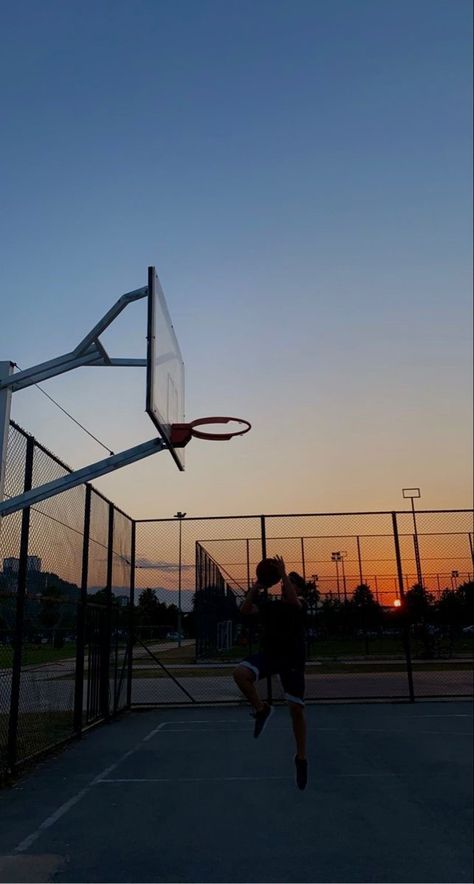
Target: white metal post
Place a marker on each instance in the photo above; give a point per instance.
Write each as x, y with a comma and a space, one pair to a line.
6, 369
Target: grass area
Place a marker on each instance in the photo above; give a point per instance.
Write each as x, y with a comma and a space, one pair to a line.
185, 654
36, 655
334, 649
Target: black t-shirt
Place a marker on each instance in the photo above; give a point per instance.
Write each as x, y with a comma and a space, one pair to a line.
283, 628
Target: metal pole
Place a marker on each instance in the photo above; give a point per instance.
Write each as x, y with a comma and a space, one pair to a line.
263, 529
303, 559
81, 618
78, 477
12, 749
359, 556
263, 532
6, 369
417, 548
344, 578
179, 583
337, 579
248, 563
197, 588
131, 621
180, 516
471, 547
406, 632
106, 648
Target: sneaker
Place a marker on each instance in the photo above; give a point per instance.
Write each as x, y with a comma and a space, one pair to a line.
261, 719
301, 772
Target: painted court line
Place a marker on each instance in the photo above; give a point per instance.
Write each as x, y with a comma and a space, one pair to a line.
227, 779
205, 721
103, 777
337, 730
64, 808
453, 715
161, 727
190, 779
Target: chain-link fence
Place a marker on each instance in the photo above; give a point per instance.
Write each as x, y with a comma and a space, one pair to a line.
99, 612
372, 630
65, 590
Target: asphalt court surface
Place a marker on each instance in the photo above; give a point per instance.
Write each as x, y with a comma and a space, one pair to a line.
188, 795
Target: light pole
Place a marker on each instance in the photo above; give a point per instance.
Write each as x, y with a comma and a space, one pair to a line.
454, 579
343, 554
412, 493
313, 607
336, 557
180, 516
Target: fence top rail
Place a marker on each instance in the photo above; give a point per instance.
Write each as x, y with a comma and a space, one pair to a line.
258, 538
419, 512
65, 466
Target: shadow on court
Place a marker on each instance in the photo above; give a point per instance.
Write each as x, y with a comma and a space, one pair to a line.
188, 795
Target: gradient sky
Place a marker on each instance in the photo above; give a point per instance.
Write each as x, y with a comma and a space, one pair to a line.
300, 174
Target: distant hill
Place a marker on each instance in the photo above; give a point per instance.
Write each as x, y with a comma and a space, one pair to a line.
169, 596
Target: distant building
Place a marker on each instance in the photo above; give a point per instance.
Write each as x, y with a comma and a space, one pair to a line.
11, 566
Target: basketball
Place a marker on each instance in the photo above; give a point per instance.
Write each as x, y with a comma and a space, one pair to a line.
268, 572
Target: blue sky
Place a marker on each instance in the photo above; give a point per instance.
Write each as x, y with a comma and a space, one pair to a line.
300, 175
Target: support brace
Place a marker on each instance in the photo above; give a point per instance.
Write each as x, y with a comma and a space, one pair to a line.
89, 351
79, 477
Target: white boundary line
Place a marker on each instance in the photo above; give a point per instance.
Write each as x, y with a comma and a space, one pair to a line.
64, 808
336, 730
191, 779
228, 779
102, 777
451, 715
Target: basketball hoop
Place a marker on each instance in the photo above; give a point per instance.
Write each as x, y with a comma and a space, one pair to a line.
182, 433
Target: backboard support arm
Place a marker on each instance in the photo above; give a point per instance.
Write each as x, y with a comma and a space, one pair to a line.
89, 351
79, 477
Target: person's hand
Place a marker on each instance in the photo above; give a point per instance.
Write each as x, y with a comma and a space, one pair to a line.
280, 565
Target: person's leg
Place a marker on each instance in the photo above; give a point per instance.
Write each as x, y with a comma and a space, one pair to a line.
245, 679
245, 676
293, 682
298, 721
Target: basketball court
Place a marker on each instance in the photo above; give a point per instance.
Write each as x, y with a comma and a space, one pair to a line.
189, 795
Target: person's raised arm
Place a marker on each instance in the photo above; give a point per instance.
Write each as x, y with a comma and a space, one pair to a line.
289, 591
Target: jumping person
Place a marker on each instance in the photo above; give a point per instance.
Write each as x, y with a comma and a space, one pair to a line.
282, 653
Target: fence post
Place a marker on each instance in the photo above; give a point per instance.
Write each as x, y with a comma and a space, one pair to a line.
131, 621
81, 618
197, 587
359, 557
263, 532
12, 750
107, 638
303, 559
6, 369
406, 628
